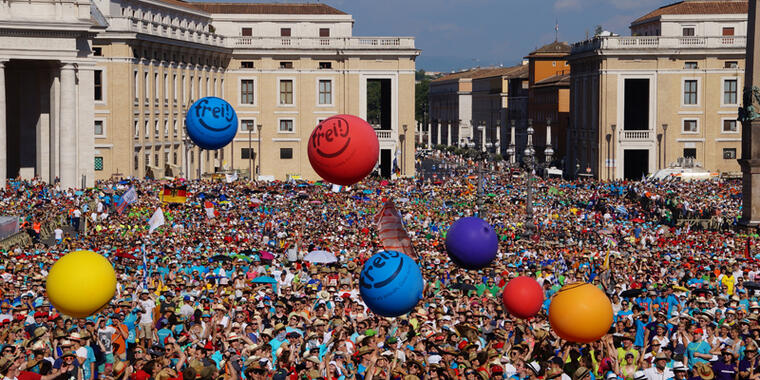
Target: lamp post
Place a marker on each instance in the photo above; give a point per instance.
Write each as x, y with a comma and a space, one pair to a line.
250, 152
613, 164
659, 151
607, 164
548, 151
258, 153
665, 144
528, 158
403, 150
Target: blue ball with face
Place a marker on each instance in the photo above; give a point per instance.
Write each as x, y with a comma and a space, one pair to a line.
390, 283
211, 123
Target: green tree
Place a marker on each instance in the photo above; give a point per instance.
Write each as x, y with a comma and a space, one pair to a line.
373, 101
598, 30
421, 95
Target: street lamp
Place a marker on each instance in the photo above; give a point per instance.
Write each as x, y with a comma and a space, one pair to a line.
403, 150
665, 145
614, 153
258, 153
528, 158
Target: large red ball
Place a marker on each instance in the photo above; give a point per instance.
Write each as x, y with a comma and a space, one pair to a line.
523, 297
343, 149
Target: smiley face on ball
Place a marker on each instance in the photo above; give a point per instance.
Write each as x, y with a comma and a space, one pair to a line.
211, 123
376, 270
331, 137
214, 114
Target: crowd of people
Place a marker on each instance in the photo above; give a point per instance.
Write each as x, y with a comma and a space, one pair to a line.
228, 294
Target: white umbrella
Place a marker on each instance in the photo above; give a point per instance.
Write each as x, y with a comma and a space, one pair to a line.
321, 257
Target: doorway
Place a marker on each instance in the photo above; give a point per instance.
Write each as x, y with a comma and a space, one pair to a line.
635, 163
385, 163
379, 103
636, 108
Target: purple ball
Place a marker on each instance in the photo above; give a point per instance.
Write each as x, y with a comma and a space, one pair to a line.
472, 243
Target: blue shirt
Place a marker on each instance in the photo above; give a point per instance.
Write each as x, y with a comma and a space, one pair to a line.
701, 347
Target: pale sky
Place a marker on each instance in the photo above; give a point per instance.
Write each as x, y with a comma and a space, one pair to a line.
456, 34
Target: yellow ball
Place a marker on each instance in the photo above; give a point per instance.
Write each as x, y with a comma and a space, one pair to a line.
580, 313
81, 283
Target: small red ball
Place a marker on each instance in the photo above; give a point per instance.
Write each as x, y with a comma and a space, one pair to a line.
523, 297
343, 149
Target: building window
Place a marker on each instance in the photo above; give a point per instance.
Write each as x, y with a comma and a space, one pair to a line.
286, 91
731, 65
137, 129
690, 65
155, 159
166, 127
688, 31
246, 32
147, 129
174, 85
728, 31
324, 32
689, 152
729, 91
246, 91
99, 131
286, 126
155, 86
98, 85
690, 91
137, 161
247, 154
325, 65
174, 158
689, 126
246, 64
175, 128
247, 125
286, 65
729, 125
137, 86
166, 87
97, 51
325, 92
286, 153
155, 129
284, 32
98, 164
729, 153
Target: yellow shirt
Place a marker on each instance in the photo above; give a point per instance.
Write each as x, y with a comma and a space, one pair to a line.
728, 282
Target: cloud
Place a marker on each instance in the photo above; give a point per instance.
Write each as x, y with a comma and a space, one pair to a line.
567, 5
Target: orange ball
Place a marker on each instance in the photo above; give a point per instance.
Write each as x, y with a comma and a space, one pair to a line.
580, 313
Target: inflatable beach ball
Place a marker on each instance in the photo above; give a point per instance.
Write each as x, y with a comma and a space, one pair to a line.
211, 123
81, 283
343, 149
390, 283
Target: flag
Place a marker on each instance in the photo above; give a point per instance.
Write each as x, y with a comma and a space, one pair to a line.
156, 220
174, 194
607, 260
145, 267
129, 197
393, 236
748, 248
210, 210
231, 177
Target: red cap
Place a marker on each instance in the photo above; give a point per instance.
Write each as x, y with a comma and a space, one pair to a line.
209, 346
497, 369
698, 331
462, 344
40, 314
498, 345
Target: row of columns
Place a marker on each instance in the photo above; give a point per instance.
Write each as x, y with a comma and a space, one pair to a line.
63, 157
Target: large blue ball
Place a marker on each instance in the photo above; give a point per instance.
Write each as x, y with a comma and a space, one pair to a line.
472, 243
390, 283
211, 123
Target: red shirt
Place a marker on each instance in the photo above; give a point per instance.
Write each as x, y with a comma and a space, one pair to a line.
140, 375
